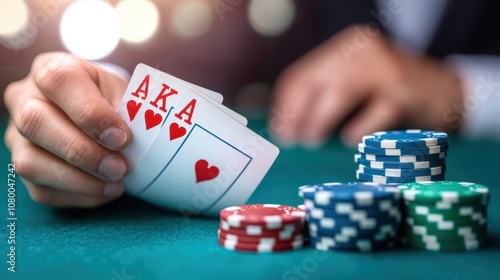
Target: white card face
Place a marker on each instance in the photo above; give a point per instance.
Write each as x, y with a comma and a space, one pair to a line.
152, 94
202, 160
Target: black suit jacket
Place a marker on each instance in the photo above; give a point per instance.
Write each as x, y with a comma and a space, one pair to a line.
466, 27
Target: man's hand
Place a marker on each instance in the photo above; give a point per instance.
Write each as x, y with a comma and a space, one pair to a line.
370, 84
64, 132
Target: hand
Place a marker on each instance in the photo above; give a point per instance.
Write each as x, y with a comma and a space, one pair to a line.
365, 83
64, 133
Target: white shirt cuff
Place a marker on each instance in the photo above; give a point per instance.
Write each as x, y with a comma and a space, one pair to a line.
480, 77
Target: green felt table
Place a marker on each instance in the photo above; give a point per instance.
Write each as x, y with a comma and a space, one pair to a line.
130, 239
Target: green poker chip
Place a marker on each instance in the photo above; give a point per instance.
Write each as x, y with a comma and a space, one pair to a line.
456, 234
456, 212
450, 229
441, 223
446, 205
459, 245
443, 192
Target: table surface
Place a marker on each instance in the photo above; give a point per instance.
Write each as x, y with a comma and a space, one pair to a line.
129, 239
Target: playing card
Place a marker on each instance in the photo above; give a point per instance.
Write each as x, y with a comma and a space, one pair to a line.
138, 90
201, 161
150, 96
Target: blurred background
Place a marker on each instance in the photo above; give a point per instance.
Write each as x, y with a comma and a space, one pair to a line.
236, 47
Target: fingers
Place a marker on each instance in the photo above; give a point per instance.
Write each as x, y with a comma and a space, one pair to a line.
55, 197
378, 114
40, 167
50, 129
331, 107
73, 85
291, 99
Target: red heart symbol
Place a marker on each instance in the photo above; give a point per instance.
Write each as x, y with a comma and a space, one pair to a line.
203, 172
132, 108
176, 131
152, 119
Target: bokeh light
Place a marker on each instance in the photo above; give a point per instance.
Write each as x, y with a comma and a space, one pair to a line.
271, 17
192, 18
139, 20
15, 31
14, 17
90, 29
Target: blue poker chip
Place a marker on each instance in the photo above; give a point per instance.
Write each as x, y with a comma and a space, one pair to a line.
319, 213
399, 165
394, 180
403, 139
336, 225
403, 159
366, 227
362, 148
364, 245
360, 193
352, 210
398, 173
351, 240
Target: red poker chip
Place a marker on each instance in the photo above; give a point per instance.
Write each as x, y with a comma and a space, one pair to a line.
260, 231
260, 247
263, 227
272, 216
259, 239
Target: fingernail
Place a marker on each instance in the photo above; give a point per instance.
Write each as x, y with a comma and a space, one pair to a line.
113, 190
113, 138
349, 140
113, 168
286, 137
313, 145
311, 138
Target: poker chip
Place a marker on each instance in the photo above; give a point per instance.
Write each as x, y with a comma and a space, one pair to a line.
442, 224
389, 172
402, 156
400, 165
346, 207
457, 233
452, 245
257, 230
362, 148
445, 216
337, 224
407, 158
259, 239
396, 180
459, 211
270, 215
349, 213
260, 247
357, 216
411, 138
262, 228
325, 243
453, 192
360, 193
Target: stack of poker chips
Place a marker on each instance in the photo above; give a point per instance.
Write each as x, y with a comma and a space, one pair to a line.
261, 228
445, 216
352, 216
402, 156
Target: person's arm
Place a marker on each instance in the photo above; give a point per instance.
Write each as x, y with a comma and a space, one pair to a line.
360, 78
480, 76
